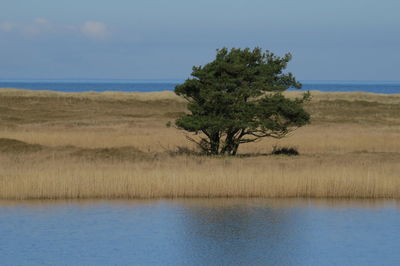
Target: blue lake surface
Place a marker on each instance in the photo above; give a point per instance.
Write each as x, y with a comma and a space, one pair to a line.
389, 87
200, 232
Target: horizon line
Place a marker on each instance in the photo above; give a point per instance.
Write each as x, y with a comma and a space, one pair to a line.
173, 80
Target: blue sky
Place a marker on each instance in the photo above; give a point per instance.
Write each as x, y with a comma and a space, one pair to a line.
155, 39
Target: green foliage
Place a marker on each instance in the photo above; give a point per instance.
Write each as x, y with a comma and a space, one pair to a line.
291, 151
237, 98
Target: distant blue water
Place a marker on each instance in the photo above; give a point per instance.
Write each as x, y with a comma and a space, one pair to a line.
391, 87
90, 85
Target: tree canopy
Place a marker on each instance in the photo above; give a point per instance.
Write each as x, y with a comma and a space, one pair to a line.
237, 98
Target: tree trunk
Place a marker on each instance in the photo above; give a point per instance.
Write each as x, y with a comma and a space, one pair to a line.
235, 148
214, 144
229, 144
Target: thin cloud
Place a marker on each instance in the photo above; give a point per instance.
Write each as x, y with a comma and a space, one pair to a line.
38, 26
41, 26
41, 21
7, 26
94, 29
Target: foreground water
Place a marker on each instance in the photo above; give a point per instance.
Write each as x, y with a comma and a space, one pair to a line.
200, 232
388, 87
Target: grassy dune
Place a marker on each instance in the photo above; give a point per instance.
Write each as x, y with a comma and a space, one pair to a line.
116, 145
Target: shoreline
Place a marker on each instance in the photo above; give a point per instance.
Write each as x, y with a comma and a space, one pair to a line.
215, 202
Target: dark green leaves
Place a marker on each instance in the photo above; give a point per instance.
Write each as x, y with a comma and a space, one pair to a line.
227, 102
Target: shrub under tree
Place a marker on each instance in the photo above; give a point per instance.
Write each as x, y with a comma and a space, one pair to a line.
237, 98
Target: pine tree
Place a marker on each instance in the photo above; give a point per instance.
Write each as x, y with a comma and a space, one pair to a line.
237, 98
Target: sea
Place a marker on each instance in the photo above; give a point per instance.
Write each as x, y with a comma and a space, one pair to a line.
384, 87
200, 232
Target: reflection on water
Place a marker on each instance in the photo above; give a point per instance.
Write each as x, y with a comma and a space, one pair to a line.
200, 232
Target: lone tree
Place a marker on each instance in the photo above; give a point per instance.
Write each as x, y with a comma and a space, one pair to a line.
237, 98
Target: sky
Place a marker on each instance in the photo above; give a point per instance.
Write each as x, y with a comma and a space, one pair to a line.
160, 39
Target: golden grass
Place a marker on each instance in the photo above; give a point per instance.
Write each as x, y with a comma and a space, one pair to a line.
335, 176
311, 139
116, 145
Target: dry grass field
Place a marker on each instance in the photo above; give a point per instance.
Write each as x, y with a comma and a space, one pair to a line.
116, 145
